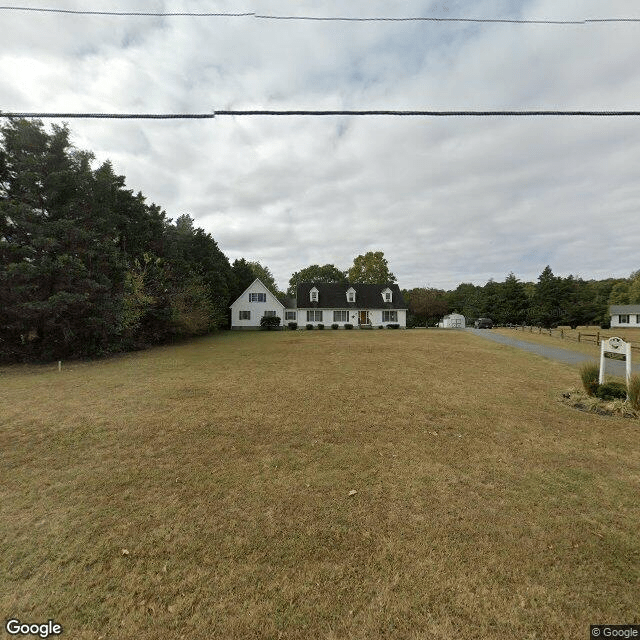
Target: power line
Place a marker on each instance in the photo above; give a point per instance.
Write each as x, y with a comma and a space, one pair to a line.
315, 112
435, 19
251, 14
129, 13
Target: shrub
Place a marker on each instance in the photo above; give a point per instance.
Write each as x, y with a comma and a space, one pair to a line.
612, 391
334, 326
366, 327
348, 326
320, 326
267, 323
633, 391
589, 374
381, 326
309, 326
293, 326
393, 326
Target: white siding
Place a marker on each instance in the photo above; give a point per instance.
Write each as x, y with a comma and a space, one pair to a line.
256, 309
634, 321
375, 318
453, 321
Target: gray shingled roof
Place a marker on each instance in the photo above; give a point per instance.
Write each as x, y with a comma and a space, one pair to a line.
334, 296
617, 309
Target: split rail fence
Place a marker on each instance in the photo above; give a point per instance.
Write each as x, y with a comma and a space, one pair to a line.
593, 336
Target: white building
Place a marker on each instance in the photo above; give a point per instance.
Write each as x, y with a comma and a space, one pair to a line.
452, 321
625, 315
361, 305
254, 303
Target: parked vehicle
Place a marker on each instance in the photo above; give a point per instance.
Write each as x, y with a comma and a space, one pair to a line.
484, 323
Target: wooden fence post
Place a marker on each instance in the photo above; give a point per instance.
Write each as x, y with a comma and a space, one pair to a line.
578, 336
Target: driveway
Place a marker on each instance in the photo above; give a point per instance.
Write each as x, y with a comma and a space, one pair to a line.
614, 367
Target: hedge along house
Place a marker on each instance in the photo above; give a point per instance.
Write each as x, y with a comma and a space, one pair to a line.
361, 305
255, 302
625, 315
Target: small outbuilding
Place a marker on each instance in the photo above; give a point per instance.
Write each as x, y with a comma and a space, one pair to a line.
453, 321
625, 315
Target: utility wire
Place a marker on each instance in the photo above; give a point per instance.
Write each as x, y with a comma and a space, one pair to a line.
129, 13
434, 19
316, 18
305, 112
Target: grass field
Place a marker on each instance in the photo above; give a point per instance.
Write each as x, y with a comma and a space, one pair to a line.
207, 491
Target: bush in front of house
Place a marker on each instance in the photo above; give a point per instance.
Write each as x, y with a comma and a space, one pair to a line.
320, 326
293, 326
589, 374
393, 326
334, 326
612, 391
348, 326
267, 323
633, 391
309, 327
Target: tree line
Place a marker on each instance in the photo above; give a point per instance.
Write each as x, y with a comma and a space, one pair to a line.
87, 266
550, 302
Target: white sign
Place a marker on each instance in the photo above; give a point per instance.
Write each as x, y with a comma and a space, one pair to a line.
615, 345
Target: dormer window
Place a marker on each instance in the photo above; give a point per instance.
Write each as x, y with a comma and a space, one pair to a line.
313, 295
387, 295
351, 294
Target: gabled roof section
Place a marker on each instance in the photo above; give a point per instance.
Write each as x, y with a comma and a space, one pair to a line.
252, 287
333, 295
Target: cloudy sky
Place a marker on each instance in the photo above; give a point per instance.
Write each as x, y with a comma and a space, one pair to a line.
448, 200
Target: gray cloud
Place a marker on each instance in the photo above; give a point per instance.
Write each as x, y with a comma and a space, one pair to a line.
448, 200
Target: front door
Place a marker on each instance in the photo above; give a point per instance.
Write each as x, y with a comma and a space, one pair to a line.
364, 317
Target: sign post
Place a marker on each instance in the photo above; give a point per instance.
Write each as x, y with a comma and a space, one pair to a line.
615, 345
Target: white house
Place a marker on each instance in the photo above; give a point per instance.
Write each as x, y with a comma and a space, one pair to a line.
625, 315
256, 301
361, 305
453, 321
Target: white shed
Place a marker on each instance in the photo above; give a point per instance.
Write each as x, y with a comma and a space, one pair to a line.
625, 315
453, 321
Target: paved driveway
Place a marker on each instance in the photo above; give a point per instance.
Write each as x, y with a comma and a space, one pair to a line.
614, 367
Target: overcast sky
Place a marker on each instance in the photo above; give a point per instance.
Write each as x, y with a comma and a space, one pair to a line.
448, 200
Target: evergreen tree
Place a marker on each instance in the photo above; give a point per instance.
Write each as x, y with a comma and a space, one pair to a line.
546, 304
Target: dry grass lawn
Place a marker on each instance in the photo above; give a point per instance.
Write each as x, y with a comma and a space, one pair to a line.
203, 491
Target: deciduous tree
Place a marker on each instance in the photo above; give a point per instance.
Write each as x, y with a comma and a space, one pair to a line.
371, 268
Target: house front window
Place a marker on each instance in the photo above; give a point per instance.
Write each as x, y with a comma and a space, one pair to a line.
314, 315
289, 315
244, 315
624, 318
389, 316
269, 314
257, 297
341, 316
